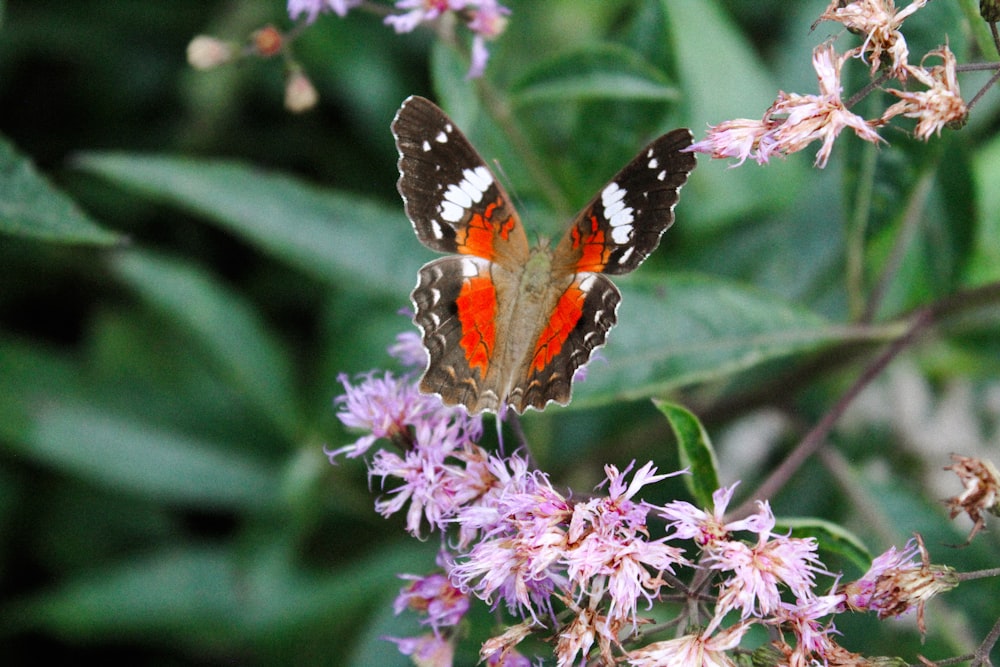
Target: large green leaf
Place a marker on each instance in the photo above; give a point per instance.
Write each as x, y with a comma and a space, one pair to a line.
31, 207
232, 333
126, 453
335, 237
605, 72
689, 328
202, 596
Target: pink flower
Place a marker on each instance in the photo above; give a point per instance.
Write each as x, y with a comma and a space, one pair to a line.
705, 649
793, 122
808, 118
739, 138
941, 104
759, 572
433, 595
609, 547
420, 11
427, 650
707, 529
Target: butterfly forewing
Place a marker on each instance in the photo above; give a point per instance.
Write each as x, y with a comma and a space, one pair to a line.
623, 223
452, 198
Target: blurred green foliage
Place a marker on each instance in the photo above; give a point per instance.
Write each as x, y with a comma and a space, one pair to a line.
185, 268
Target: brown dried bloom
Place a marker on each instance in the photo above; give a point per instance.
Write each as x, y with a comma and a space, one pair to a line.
895, 583
879, 22
981, 481
941, 104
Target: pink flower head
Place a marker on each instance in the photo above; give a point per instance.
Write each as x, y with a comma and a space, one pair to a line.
314, 7
522, 532
433, 595
707, 529
705, 649
808, 118
759, 572
739, 138
610, 550
427, 650
488, 21
941, 104
420, 11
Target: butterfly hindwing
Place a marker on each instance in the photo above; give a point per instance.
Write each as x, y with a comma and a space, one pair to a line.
452, 198
456, 302
622, 225
579, 324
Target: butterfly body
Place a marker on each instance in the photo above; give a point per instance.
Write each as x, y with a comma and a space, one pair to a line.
506, 324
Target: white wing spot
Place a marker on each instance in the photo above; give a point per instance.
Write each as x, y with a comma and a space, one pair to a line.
426, 145
587, 282
451, 212
469, 268
618, 215
625, 255
661, 176
437, 230
653, 163
441, 138
458, 195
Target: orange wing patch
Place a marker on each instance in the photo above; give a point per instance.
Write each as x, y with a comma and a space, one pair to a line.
480, 233
592, 244
477, 312
563, 320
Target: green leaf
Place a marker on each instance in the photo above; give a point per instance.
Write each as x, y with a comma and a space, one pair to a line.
606, 72
206, 596
125, 453
696, 452
32, 208
335, 237
237, 341
688, 328
984, 266
831, 537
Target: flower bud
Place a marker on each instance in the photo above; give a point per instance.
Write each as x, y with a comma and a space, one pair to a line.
205, 52
300, 95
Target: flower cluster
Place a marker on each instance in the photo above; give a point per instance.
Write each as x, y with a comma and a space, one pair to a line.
583, 572
485, 18
794, 121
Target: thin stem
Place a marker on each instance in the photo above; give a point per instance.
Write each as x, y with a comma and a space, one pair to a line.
817, 436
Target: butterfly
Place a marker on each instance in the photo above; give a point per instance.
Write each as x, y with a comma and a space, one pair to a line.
507, 324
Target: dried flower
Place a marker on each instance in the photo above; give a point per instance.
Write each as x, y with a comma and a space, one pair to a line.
982, 482
941, 104
896, 583
879, 21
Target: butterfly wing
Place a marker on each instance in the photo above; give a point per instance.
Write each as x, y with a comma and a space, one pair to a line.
452, 198
457, 206
613, 234
622, 225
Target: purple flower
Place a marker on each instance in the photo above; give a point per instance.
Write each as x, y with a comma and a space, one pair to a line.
433, 595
